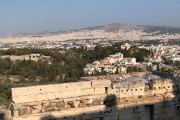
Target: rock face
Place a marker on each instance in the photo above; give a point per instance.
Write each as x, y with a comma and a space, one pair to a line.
98, 99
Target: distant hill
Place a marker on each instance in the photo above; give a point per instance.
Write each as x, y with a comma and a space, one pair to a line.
149, 29
114, 27
117, 26
162, 29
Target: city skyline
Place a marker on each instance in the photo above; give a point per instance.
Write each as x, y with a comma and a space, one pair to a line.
37, 16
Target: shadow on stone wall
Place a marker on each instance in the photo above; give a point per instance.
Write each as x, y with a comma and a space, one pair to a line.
164, 110
156, 100
110, 102
2, 116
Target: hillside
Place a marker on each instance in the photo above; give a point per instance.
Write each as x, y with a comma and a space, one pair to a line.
113, 27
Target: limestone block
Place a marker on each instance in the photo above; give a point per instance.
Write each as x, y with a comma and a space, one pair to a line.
21, 99
16, 113
35, 111
110, 90
33, 117
55, 95
96, 119
60, 105
50, 96
23, 111
79, 85
108, 110
50, 88
87, 117
99, 90
97, 102
125, 116
94, 109
86, 103
101, 83
119, 107
74, 93
76, 104
107, 118
65, 113
38, 97
114, 117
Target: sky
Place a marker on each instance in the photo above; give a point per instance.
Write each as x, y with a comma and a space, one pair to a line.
31, 16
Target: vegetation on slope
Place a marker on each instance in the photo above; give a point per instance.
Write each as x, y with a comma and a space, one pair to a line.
67, 66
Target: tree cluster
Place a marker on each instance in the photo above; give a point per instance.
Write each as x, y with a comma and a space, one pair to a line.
67, 65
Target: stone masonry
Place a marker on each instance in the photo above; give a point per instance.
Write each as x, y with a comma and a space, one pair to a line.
98, 99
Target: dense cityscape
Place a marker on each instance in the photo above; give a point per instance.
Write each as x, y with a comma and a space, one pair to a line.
89, 60
49, 62
105, 35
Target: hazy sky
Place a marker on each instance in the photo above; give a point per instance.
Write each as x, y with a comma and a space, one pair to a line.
29, 16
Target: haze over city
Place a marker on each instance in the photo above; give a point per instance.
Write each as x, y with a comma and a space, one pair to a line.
31, 16
89, 60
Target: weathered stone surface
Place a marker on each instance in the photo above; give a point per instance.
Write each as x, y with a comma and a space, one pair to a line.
99, 90
101, 83
50, 88
96, 99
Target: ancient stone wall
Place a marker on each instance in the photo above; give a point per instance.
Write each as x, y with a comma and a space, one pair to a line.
161, 86
97, 99
128, 89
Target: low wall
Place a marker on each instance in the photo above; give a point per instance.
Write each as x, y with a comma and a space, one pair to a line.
95, 100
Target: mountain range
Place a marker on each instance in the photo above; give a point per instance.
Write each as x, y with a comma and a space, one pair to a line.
114, 27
